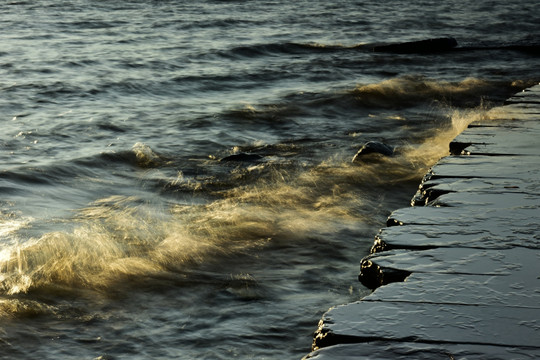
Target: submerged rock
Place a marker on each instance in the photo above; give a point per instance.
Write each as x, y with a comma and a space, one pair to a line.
373, 147
243, 157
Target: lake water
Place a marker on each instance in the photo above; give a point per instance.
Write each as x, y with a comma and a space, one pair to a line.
126, 229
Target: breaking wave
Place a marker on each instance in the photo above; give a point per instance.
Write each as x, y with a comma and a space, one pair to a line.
121, 240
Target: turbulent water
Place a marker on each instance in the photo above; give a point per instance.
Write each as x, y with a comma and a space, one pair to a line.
129, 229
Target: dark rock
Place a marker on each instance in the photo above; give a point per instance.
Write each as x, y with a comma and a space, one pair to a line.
405, 350
379, 246
242, 157
458, 148
373, 147
424, 197
434, 323
393, 222
372, 275
324, 339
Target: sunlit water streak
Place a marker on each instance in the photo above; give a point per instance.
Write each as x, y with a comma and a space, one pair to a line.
122, 233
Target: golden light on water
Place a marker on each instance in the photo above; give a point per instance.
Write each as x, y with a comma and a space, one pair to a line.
118, 237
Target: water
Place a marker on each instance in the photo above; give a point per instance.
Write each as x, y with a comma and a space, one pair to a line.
123, 235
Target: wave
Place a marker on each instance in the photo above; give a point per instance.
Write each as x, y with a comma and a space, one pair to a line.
301, 189
234, 80
532, 49
119, 242
60, 185
293, 48
422, 46
443, 45
288, 114
285, 48
410, 91
240, 78
403, 92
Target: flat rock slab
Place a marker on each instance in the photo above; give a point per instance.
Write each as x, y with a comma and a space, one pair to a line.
430, 189
431, 323
459, 277
531, 96
494, 237
506, 262
382, 350
511, 201
502, 167
503, 291
520, 110
473, 216
499, 140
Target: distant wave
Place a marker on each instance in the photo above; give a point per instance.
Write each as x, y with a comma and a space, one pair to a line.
140, 156
290, 48
434, 45
400, 92
411, 90
532, 49
255, 50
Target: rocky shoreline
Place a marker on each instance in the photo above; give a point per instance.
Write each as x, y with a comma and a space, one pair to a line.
456, 275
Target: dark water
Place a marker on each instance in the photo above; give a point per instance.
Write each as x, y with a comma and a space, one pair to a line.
123, 235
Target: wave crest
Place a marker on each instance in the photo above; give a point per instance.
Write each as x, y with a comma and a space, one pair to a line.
407, 91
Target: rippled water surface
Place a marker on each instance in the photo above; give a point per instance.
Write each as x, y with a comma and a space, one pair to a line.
176, 178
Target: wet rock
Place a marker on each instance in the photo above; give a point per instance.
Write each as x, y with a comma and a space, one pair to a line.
426, 196
486, 166
373, 147
431, 323
383, 349
507, 140
393, 237
526, 209
458, 148
516, 288
421, 237
487, 262
430, 190
372, 275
